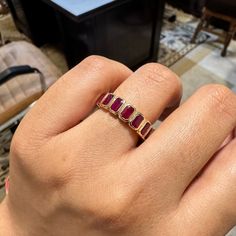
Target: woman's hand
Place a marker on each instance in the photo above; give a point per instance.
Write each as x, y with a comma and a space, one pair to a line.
74, 172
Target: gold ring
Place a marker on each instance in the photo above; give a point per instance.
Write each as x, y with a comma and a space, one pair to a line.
127, 113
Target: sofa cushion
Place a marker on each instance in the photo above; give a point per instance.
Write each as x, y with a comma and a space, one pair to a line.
21, 91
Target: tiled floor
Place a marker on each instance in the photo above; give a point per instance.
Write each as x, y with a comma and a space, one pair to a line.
204, 65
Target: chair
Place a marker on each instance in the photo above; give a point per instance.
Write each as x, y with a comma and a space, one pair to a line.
25, 73
223, 10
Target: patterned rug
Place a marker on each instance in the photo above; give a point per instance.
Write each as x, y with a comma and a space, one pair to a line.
175, 41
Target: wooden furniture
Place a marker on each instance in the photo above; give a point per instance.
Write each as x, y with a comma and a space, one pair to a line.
3, 7
124, 30
224, 10
193, 7
35, 19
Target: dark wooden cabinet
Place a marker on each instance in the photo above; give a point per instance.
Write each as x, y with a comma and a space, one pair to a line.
124, 30
35, 19
193, 7
128, 33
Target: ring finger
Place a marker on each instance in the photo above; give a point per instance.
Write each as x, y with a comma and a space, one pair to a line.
150, 90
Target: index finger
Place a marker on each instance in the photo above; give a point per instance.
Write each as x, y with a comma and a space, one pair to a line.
74, 96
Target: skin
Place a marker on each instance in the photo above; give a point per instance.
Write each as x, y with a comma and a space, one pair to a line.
78, 172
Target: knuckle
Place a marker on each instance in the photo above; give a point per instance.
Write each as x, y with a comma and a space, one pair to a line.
31, 160
20, 145
16, 146
109, 209
57, 179
232, 172
221, 98
154, 73
89, 66
95, 62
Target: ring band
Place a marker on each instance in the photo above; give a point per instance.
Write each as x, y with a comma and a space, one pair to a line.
127, 113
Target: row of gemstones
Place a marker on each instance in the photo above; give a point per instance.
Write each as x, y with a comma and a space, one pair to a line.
127, 113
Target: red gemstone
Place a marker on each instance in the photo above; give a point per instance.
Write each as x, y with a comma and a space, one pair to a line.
117, 104
127, 112
100, 98
145, 128
136, 122
108, 99
149, 133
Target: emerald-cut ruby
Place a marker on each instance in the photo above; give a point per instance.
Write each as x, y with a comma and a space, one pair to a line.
127, 112
136, 122
100, 99
107, 99
145, 128
116, 104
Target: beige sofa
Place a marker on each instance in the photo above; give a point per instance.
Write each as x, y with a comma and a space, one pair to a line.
21, 91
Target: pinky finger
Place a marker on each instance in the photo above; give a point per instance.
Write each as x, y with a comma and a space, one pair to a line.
210, 201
